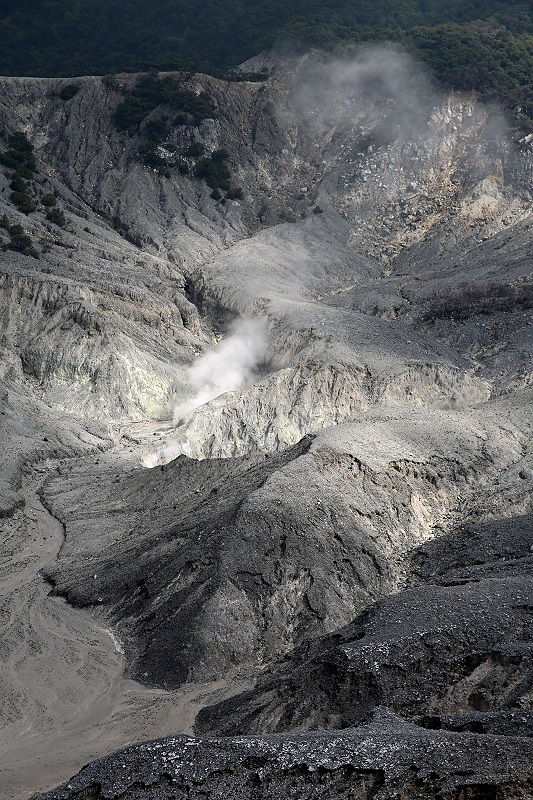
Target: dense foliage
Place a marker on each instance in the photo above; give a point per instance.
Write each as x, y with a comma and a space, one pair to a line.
152, 91
158, 148
19, 158
470, 44
19, 241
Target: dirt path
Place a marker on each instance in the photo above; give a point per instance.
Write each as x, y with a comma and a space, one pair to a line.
63, 700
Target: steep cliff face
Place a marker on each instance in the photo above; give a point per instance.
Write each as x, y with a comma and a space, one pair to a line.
371, 464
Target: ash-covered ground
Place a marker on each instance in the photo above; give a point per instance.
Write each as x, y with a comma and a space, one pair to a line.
266, 460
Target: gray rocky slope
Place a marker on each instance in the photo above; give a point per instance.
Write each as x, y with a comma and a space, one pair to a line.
352, 527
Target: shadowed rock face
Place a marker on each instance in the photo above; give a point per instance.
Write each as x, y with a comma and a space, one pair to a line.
430, 651
459, 641
357, 532
231, 563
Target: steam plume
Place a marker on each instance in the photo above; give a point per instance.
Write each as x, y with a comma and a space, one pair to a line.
226, 368
385, 76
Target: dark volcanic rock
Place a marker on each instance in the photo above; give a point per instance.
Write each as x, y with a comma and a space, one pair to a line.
459, 641
206, 566
478, 550
427, 650
384, 759
497, 723
176, 564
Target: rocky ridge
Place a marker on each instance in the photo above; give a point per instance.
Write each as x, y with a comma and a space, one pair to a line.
360, 762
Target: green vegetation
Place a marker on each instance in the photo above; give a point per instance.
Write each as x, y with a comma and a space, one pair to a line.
23, 201
154, 133
473, 298
20, 156
21, 160
486, 45
490, 59
195, 150
185, 108
235, 194
69, 91
19, 241
56, 216
214, 170
151, 92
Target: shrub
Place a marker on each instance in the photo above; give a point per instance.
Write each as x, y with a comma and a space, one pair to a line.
70, 91
473, 298
195, 150
15, 228
24, 172
156, 130
23, 202
20, 142
21, 243
150, 156
318, 210
219, 156
235, 194
18, 184
18, 240
20, 156
151, 92
49, 200
214, 171
56, 216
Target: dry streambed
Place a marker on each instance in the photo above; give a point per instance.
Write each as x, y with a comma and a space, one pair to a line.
64, 698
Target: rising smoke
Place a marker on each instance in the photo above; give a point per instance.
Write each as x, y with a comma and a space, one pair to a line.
385, 77
391, 94
227, 367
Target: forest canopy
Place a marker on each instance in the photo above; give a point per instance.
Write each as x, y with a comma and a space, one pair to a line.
484, 45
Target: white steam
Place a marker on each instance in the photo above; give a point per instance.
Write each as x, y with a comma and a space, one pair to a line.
228, 367
386, 77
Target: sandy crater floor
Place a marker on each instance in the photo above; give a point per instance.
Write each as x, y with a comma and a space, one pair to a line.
64, 698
